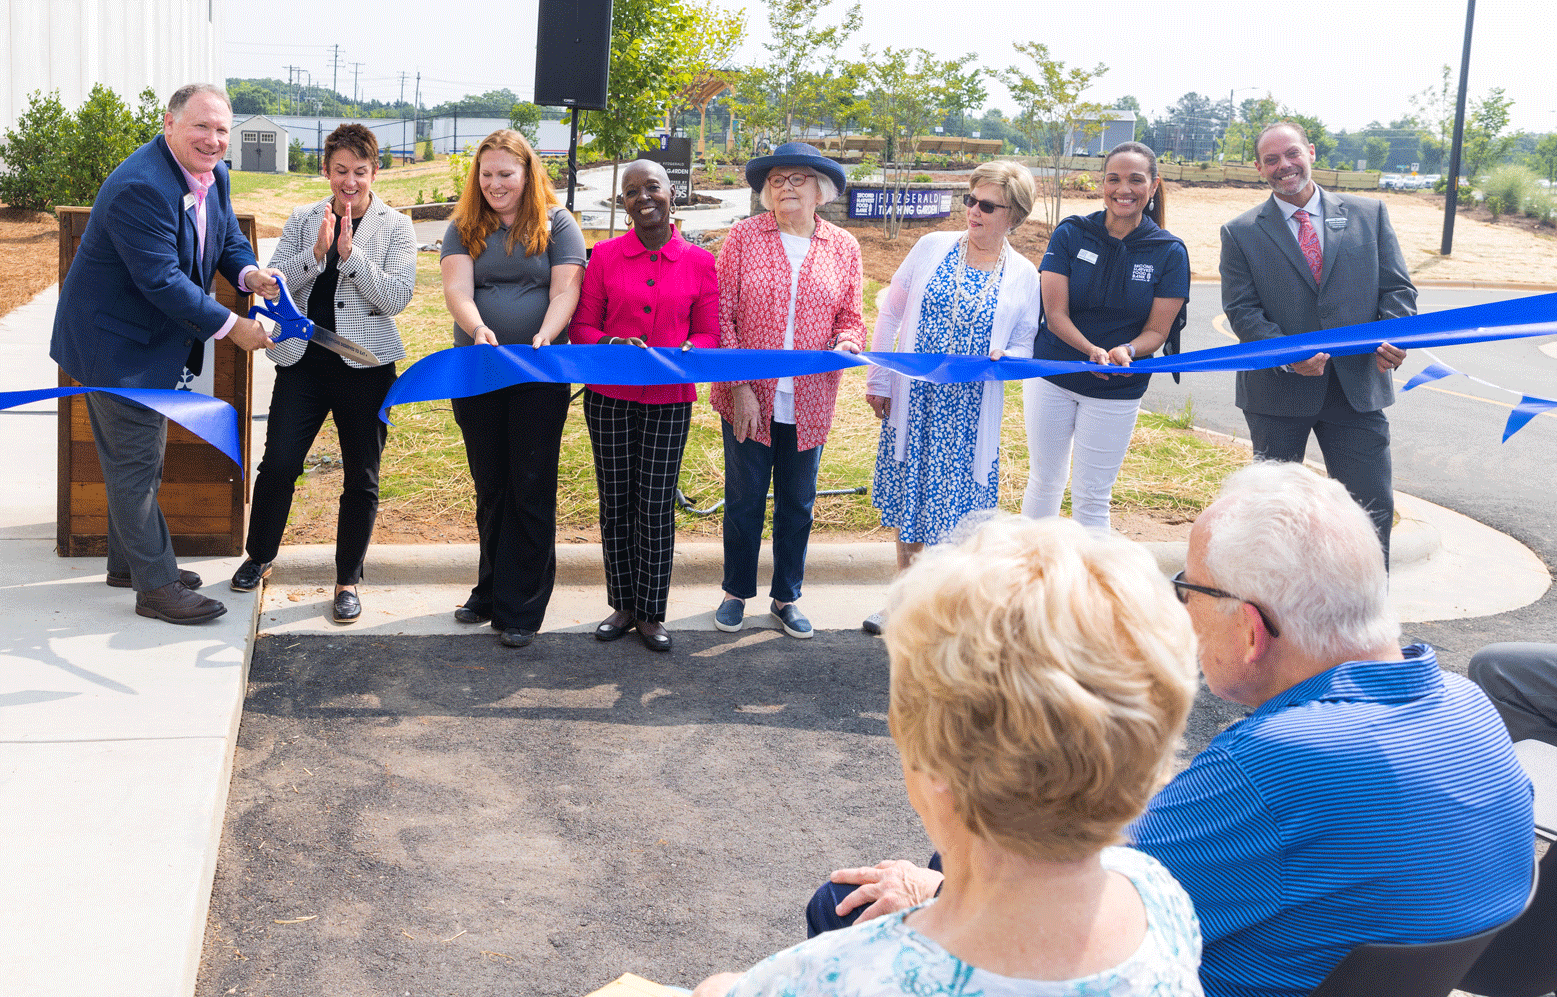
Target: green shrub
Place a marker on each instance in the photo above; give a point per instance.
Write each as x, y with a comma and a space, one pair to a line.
459, 170
311, 163
385, 160
866, 168
427, 150
1441, 185
419, 198
730, 180
55, 157
295, 156
921, 178
437, 196
1508, 187
34, 175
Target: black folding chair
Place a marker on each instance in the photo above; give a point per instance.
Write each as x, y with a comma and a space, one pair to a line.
1429, 969
1522, 960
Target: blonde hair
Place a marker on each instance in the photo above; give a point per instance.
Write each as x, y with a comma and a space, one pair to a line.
1014, 180
1045, 674
474, 219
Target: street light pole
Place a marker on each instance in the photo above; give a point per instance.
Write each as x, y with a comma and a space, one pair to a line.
1452, 201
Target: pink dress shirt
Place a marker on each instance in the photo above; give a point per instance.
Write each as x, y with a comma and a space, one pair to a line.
200, 186
754, 282
664, 296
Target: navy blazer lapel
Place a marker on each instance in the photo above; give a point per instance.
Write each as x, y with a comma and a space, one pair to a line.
1331, 207
1275, 225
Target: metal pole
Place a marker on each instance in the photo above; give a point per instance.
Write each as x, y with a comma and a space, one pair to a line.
573, 157
1452, 200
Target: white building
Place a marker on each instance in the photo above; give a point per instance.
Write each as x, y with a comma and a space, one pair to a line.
127, 45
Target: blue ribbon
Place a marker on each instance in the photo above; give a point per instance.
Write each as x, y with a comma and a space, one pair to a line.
1428, 374
463, 371
1528, 408
211, 419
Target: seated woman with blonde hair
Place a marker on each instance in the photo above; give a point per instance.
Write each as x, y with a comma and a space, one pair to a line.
1041, 677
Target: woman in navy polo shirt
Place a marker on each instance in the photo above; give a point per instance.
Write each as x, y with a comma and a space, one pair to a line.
1113, 284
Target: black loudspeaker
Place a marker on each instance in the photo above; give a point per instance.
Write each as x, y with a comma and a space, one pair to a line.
573, 53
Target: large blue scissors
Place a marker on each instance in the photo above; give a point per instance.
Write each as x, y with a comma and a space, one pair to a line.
293, 324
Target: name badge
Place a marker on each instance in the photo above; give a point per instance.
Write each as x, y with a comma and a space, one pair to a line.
189, 201
1335, 224
1086, 255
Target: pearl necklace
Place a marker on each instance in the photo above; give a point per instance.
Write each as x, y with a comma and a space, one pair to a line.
995, 273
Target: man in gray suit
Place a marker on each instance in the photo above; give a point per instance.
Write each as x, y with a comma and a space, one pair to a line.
1310, 259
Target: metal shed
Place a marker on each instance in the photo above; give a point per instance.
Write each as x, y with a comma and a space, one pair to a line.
259, 145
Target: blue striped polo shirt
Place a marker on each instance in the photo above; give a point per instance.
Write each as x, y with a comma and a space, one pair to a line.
1378, 801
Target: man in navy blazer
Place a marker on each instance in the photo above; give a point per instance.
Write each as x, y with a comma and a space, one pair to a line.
136, 308
1304, 260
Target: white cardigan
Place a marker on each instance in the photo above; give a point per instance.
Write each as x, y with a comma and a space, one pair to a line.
897, 327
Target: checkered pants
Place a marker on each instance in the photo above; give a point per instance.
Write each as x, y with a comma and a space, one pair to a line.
638, 448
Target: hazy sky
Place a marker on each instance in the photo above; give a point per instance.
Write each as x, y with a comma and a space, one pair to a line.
1352, 62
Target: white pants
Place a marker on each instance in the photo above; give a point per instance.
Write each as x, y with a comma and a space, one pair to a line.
1100, 429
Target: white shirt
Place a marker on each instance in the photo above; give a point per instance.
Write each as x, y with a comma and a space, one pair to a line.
795, 248
1315, 217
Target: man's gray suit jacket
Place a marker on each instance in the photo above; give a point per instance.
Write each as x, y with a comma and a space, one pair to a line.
1268, 290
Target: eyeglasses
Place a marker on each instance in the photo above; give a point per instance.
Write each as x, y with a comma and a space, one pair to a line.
988, 207
793, 179
1182, 589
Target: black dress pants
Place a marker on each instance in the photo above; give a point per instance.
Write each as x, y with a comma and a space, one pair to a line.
513, 438
321, 384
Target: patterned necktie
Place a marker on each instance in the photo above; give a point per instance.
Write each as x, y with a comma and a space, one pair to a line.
1308, 241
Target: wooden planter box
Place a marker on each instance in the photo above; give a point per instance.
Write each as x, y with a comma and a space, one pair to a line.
203, 493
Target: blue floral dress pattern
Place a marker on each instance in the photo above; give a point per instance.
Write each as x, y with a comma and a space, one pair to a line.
927, 493
884, 958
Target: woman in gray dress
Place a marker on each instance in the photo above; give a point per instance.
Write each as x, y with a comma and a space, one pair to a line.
513, 263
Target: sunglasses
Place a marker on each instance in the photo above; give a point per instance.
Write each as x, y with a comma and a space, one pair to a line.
793, 179
988, 207
1182, 589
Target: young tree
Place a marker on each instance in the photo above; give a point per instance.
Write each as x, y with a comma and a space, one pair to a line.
907, 95
1375, 149
1486, 144
643, 79
703, 56
1544, 158
1434, 107
1050, 112
525, 118
965, 90
799, 51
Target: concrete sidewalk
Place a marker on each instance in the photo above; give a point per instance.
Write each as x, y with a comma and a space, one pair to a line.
117, 732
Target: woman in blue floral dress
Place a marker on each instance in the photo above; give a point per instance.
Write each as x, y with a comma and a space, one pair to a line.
1041, 677
957, 292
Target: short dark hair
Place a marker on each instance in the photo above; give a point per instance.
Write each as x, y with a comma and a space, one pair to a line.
356, 139
1301, 131
182, 95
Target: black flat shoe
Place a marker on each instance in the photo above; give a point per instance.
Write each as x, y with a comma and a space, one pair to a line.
347, 607
655, 636
467, 615
615, 626
517, 637
249, 575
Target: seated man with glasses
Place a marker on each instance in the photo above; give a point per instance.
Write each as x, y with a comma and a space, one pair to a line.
1367, 797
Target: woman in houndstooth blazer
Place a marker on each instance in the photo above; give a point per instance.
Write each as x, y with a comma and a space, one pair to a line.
355, 277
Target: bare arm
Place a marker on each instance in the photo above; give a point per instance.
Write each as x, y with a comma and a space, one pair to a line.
459, 296
566, 282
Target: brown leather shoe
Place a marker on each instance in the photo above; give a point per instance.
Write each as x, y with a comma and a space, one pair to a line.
173, 603
118, 581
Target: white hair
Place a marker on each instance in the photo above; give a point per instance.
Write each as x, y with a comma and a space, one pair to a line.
1298, 546
829, 192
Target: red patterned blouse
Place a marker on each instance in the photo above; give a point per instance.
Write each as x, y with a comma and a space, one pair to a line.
754, 282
